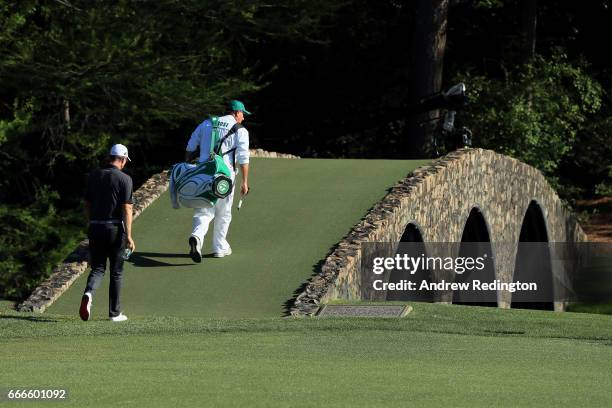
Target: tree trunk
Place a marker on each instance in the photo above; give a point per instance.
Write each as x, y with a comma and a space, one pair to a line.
528, 28
428, 46
66, 113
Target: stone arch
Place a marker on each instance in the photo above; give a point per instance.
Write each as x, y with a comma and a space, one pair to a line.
475, 242
412, 244
533, 261
412, 233
534, 227
476, 228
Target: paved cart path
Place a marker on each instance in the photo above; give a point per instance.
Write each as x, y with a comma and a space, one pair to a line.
296, 212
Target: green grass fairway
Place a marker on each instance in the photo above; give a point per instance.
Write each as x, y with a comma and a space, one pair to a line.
6, 305
296, 212
440, 355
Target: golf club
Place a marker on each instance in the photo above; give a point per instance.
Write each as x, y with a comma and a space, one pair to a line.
242, 198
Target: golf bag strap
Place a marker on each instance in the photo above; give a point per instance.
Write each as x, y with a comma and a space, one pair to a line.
214, 121
234, 129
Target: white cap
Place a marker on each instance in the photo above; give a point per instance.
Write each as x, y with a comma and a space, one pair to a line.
119, 150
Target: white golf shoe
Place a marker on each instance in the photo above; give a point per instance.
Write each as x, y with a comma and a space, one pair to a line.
119, 318
221, 254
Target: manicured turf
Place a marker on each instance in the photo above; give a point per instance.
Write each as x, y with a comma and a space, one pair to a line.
296, 212
6, 305
439, 355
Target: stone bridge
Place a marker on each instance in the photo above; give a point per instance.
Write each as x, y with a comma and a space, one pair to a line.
471, 195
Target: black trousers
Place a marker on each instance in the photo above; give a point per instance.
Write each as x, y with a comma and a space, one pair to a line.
107, 241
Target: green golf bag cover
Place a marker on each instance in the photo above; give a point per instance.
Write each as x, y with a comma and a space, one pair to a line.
201, 185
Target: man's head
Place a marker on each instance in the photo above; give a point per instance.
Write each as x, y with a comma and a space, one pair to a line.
238, 110
118, 156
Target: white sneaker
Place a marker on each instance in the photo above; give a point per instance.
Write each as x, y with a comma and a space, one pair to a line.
221, 254
120, 318
85, 309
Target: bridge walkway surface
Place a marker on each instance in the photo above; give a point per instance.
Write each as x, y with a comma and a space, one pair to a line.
296, 212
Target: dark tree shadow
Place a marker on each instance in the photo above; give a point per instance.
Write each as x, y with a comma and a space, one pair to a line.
30, 319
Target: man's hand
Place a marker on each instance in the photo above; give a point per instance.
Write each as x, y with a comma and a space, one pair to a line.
130, 244
244, 189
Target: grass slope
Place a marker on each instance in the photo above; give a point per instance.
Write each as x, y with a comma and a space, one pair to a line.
440, 355
296, 212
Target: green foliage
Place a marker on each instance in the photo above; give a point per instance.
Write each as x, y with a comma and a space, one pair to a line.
535, 113
32, 240
19, 124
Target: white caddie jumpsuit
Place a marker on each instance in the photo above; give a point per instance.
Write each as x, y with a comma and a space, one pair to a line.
221, 212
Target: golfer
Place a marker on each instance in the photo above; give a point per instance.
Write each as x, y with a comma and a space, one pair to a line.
235, 152
108, 206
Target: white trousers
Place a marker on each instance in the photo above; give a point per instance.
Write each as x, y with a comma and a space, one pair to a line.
221, 213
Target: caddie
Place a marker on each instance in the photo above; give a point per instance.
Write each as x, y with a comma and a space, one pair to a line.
234, 149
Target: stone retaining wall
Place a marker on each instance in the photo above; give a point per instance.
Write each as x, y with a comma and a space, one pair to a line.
64, 274
273, 155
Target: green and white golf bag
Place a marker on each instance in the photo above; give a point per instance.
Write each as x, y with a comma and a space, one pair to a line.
201, 185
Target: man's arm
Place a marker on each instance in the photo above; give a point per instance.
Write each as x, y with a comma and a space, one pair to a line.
193, 143
244, 187
127, 220
127, 207
242, 156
